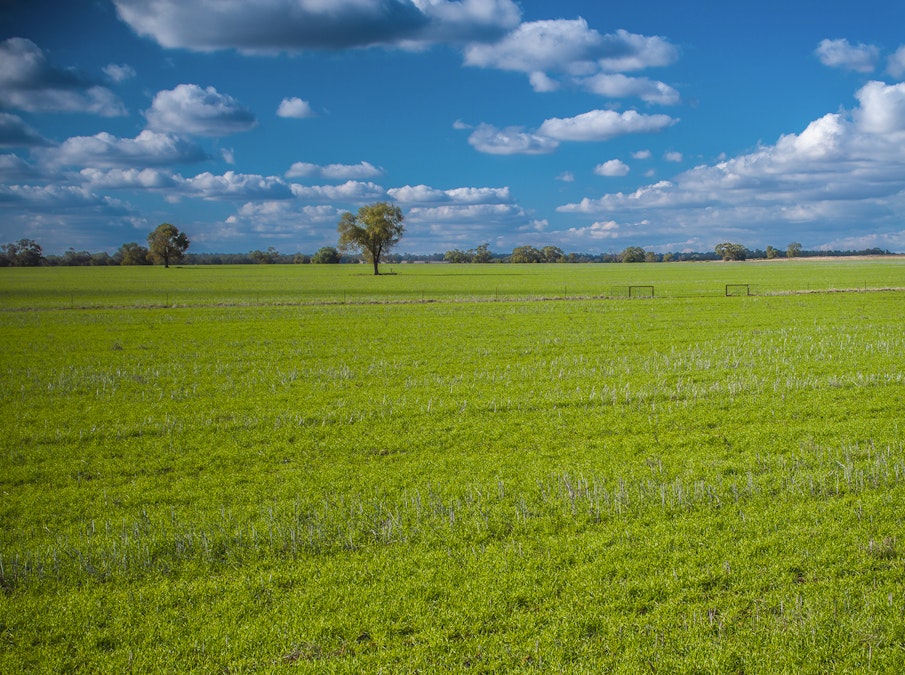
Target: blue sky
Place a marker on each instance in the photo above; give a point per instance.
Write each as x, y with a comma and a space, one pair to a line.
591, 126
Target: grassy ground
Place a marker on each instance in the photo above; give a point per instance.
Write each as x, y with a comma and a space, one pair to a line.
73, 288
692, 483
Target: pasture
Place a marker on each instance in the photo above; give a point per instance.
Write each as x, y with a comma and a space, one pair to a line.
475, 468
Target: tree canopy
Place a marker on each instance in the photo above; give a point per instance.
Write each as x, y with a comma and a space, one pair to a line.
729, 251
132, 253
23, 253
267, 257
167, 244
374, 230
632, 254
480, 254
326, 255
526, 254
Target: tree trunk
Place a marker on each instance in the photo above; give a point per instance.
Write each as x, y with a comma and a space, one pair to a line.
375, 267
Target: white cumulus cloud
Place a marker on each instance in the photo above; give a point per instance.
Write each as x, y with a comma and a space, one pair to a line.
571, 47
613, 167
148, 149
843, 170
599, 230
595, 125
229, 186
882, 108
209, 186
458, 217
617, 85
602, 125
358, 171
144, 179
283, 219
55, 199
422, 194
577, 54
630, 51
189, 109
295, 108
510, 141
542, 46
350, 191
464, 211
541, 82
860, 58
232, 185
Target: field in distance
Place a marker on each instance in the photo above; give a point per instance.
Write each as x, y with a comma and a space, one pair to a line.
74, 287
268, 475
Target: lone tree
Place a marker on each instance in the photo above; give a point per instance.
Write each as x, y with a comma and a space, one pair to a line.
167, 244
373, 231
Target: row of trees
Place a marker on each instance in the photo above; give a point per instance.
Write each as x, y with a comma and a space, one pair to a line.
369, 235
729, 251
324, 256
631, 254
480, 254
554, 254
166, 244
372, 232
28, 253
132, 253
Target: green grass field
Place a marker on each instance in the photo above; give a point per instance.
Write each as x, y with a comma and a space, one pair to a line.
73, 288
308, 468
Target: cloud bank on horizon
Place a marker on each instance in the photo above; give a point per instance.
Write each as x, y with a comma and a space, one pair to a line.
258, 125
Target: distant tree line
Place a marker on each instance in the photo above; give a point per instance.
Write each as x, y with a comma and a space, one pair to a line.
635, 254
28, 253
